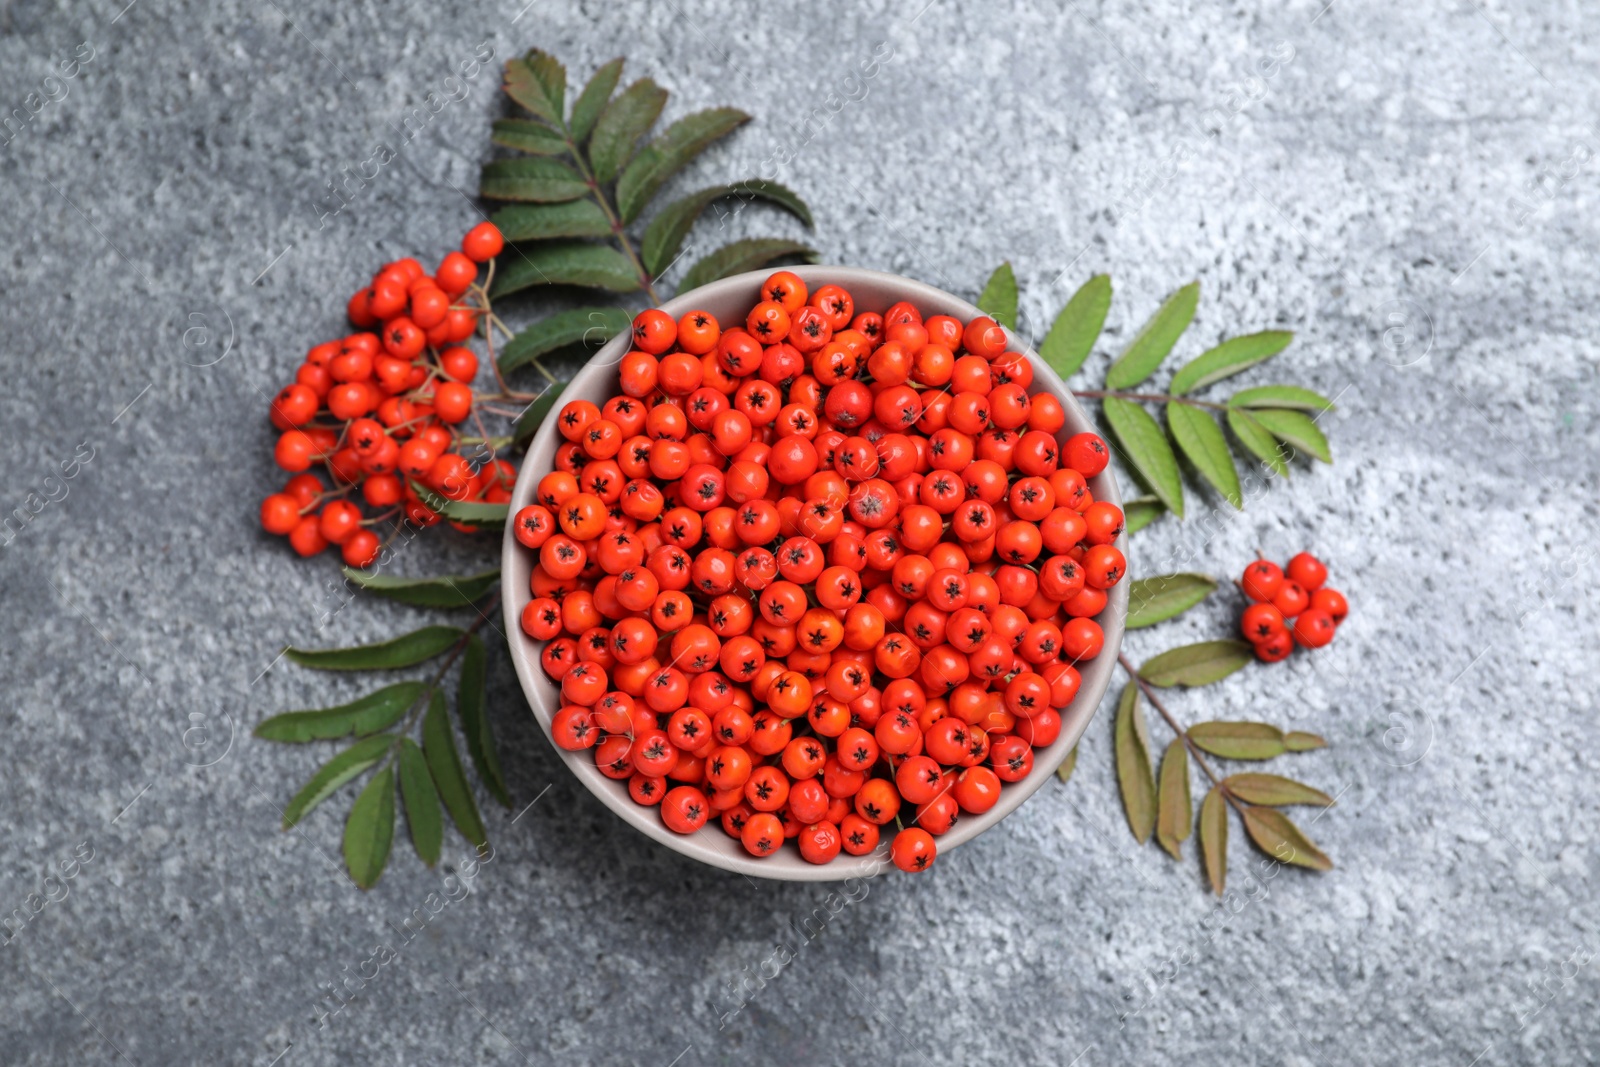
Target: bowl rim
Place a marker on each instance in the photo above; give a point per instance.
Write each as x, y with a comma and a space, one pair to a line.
710, 844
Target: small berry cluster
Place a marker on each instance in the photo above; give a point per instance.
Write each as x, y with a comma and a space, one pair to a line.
1291, 606
808, 570
379, 408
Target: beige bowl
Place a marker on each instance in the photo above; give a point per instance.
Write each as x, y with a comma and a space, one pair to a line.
730, 300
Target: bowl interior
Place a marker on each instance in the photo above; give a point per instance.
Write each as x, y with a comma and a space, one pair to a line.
730, 300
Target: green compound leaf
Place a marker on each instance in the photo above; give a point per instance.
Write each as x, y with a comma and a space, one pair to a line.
1134, 777
1073, 334
586, 109
591, 327
1146, 449
1197, 664
439, 746
1229, 358
444, 591
1281, 396
534, 415
565, 263
1274, 790
999, 297
1214, 839
525, 135
1274, 833
407, 650
543, 222
669, 153
1200, 439
665, 235
535, 179
624, 120
1174, 817
371, 713
1151, 344
1294, 428
422, 802
1165, 596
1238, 740
538, 82
1141, 512
369, 832
1255, 437
335, 773
470, 705
751, 253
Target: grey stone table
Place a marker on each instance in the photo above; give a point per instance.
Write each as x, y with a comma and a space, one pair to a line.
1410, 188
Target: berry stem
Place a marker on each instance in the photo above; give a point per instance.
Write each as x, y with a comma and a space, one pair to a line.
1158, 398
1183, 735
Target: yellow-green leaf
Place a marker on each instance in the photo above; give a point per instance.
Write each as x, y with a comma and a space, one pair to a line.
535, 179
1064, 772
406, 650
624, 120
664, 237
1197, 664
335, 773
369, 832
1238, 740
564, 263
543, 222
1073, 334
586, 109
439, 746
1152, 343
999, 297
669, 153
1298, 741
1281, 396
1274, 790
1165, 596
751, 253
1280, 838
1200, 438
1146, 449
1174, 819
1294, 428
1229, 358
1141, 512
1134, 776
422, 802
1214, 839
371, 713
1255, 437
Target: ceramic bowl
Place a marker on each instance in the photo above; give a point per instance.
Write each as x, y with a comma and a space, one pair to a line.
730, 300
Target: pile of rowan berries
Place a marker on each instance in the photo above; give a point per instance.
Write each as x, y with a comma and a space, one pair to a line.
1291, 606
819, 573
379, 408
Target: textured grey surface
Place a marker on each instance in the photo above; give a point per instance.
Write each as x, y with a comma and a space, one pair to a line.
1409, 187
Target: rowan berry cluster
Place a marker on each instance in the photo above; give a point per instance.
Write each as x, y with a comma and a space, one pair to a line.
380, 408
1292, 606
819, 573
